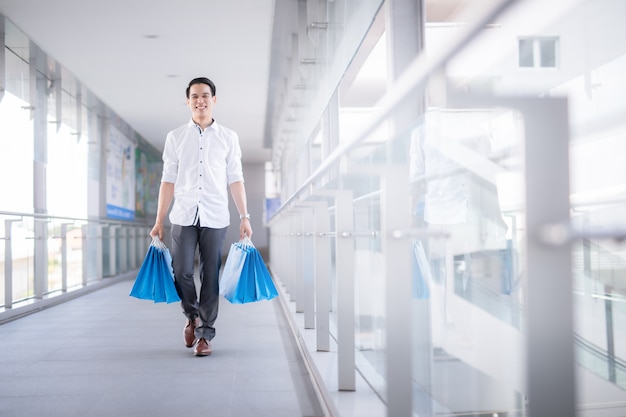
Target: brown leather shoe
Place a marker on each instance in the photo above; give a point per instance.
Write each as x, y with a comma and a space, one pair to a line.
203, 348
188, 333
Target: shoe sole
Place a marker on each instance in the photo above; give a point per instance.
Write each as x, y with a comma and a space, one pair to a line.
202, 354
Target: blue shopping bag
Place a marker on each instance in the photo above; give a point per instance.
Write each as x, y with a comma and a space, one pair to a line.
264, 285
245, 291
245, 278
155, 280
233, 267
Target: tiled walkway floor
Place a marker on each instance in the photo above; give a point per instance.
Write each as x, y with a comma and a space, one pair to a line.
107, 354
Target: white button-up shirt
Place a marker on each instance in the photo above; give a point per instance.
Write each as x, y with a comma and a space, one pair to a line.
201, 165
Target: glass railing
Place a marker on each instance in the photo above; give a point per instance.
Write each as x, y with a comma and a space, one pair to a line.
452, 268
599, 269
600, 362
44, 257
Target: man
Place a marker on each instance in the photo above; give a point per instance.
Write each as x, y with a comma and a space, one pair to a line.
200, 159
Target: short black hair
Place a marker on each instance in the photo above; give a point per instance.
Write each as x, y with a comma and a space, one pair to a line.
201, 80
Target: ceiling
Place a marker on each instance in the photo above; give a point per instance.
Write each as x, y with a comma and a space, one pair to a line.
138, 56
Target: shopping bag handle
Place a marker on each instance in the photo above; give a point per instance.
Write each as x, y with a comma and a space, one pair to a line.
157, 243
246, 241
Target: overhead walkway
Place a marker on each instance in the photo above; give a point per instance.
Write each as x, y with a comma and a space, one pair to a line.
108, 354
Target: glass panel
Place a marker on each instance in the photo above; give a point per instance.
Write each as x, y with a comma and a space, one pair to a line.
588, 71
16, 125
75, 247
548, 52
22, 238
3, 242
67, 171
526, 58
17, 42
465, 171
16, 153
466, 175
91, 238
334, 32
55, 257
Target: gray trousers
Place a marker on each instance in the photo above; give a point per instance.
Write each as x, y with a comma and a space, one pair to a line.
209, 242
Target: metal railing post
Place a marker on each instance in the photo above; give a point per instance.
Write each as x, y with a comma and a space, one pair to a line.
86, 249
113, 250
323, 291
396, 251
551, 379
99, 252
8, 263
344, 273
40, 245
64, 256
123, 248
132, 247
306, 268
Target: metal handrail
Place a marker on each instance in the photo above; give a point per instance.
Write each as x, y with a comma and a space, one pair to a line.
76, 219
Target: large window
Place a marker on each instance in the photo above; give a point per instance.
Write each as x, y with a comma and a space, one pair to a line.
67, 168
16, 153
51, 158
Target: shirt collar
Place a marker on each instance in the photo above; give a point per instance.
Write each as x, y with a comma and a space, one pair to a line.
194, 124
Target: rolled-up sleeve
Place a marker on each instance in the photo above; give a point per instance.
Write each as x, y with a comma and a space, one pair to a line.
170, 160
234, 170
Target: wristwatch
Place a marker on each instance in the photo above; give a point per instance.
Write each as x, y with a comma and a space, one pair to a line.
244, 216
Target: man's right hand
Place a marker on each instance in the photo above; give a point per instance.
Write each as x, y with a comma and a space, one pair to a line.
157, 230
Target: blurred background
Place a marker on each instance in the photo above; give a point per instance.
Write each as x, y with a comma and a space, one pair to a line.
437, 186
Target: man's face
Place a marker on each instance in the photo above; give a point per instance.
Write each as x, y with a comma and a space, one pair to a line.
200, 100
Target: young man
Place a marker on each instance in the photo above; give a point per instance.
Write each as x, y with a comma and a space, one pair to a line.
201, 159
